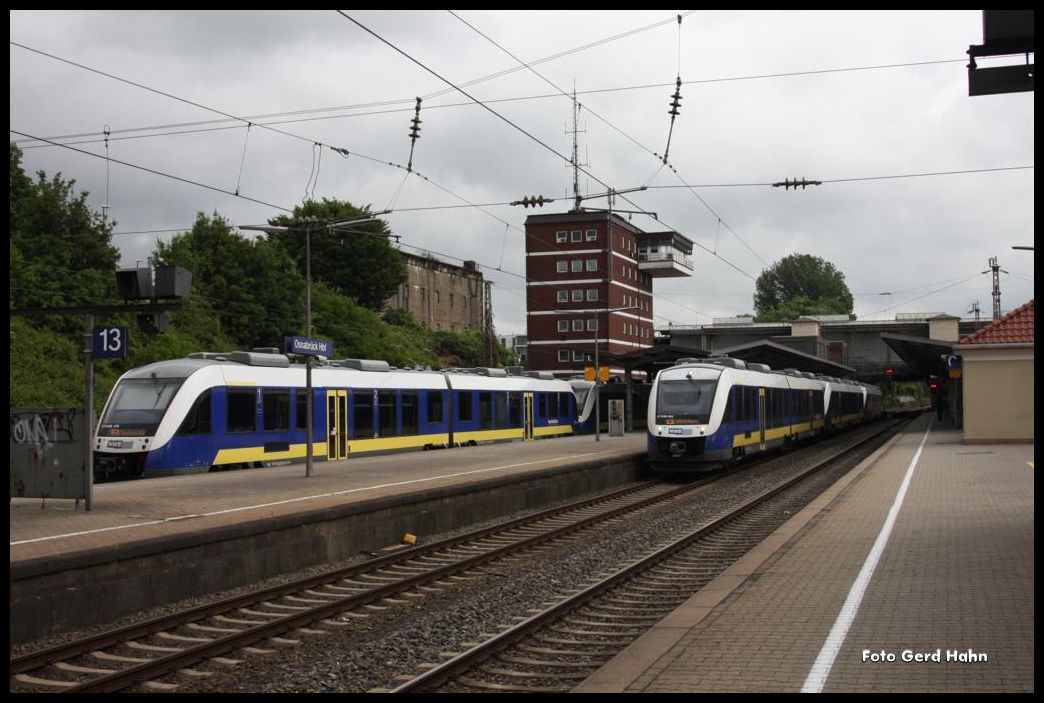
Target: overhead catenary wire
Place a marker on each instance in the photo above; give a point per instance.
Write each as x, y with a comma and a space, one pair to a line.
242, 161
683, 186
158, 173
257, 119
664, 162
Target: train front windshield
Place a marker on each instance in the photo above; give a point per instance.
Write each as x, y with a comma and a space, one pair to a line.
685, 401
137, 406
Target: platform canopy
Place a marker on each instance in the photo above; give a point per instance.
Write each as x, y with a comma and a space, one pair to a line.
777, 356
925, 356
780, 356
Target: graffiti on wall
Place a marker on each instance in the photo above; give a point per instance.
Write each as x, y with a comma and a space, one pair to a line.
47, 453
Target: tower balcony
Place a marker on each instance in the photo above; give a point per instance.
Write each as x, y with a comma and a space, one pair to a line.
664, 254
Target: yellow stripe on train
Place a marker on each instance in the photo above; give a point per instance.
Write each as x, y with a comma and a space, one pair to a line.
246, 455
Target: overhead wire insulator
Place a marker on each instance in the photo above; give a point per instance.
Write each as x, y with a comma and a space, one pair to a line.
677, 100
534, 200
414, 133
804, 183
673, 112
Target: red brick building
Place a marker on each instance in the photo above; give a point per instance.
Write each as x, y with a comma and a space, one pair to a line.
589, 282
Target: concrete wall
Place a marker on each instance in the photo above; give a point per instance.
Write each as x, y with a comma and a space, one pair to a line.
998, 396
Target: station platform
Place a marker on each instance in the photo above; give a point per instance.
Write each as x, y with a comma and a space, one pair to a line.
914, 573
154, 541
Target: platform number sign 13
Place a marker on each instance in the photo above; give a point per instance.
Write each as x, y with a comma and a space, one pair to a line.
109, 343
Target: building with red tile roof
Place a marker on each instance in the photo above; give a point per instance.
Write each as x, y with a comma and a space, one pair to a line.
997, 380
1014, 328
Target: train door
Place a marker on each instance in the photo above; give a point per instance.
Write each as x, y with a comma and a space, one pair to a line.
761, 417
527, 415
336, 425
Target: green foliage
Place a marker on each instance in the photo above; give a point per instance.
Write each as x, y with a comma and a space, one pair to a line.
507, 357
794, 308
244, 294
460, 348
357, 261
46, 367
905, 394
801, 284
61, 252
252, 288
401, 318
358, 332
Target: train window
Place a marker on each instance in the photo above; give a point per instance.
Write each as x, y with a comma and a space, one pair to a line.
241, 414
542, 405
434, 406
485, 410
198, 419
275, 407
410, 413
686, 401
387, 426
552, 405
501, 408
514, 399
300, 409
137, 406
465, 410
362, 409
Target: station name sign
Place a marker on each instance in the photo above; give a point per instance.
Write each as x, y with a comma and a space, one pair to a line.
307, 346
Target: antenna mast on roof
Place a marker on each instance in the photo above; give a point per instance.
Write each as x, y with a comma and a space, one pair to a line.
995, 267
576, 160
975, 309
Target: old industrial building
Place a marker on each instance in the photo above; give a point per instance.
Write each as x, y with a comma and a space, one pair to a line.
442, 296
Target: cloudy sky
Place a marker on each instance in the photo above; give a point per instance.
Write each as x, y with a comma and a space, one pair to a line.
869, 103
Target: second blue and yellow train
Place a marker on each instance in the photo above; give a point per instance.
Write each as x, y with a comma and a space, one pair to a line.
704, 413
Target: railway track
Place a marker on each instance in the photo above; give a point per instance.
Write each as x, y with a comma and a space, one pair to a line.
256, 622
562, 644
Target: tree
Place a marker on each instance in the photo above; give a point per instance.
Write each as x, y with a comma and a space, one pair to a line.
253, 287
801, 284
358, 262
61, 252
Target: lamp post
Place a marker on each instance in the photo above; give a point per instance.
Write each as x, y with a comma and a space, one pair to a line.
598, 369
308, 224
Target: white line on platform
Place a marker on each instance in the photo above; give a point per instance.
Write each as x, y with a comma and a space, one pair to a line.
817, 676
297, 500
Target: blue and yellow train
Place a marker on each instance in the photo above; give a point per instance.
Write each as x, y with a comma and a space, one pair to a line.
704, 413
211, 412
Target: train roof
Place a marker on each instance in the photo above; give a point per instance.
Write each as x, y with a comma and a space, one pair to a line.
241, 365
